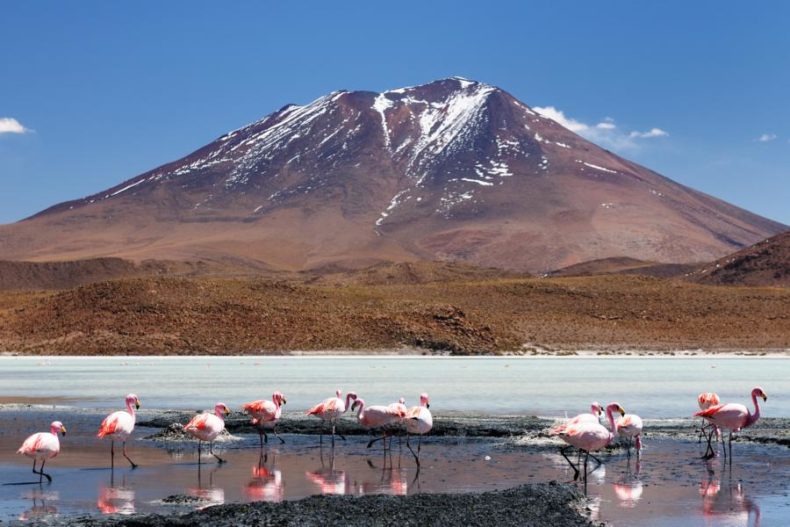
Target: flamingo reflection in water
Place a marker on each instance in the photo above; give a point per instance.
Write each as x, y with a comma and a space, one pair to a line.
267, 482
116, 499
42, 504
728, 501
208, 495
629, 489
329, 480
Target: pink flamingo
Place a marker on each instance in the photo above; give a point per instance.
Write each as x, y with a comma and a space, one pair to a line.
589, 437
207, 427
375, 417
629, 427
733, 417
43, 446
593, 417
329, 410
265, 415
120, 425
705, 400
419, 421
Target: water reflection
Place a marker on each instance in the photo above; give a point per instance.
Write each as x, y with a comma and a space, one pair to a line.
208, 494
116, 499
629, 489
329, 480
42, 504
727, 499
267, 482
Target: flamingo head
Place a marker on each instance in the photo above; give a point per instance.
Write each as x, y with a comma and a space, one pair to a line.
758, 392
596, 408
615, 407
352, 395
402, 400
279, 397
132, 399
221, 409
339, 393
357, 404
57, 428
424, 401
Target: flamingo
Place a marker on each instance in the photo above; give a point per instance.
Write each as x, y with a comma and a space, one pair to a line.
43, 446
589, 437
705, 400
374, 417
629, 427
593, 417
733, 417
418, 421
207, 427
120, 425
329, 410
265, 415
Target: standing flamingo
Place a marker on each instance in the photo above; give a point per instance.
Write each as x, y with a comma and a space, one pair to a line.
375, 417
418, 421
329, 410
705, 400
265, 415
120, 425
43, 446
593, 417
400, 407
589, 437
629, 427
733, 417
207, 427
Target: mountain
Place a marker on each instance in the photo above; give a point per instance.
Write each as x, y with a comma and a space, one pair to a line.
452, 170
766, 263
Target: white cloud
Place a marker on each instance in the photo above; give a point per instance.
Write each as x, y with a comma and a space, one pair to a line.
9, 125
766, 138
605, 133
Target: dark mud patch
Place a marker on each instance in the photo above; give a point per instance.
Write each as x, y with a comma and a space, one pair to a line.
539, 505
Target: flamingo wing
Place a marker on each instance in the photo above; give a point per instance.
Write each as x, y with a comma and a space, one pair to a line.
108, 426
197, 423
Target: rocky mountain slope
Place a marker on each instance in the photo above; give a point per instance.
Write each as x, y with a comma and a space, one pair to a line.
452, 170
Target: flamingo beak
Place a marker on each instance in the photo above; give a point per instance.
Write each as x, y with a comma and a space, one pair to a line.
765, 397
427, 405
63, 430
621, 410
226, 410
284, 401
137, 404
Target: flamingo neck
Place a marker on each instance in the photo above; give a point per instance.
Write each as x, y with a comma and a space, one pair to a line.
276, 401
130, 407
610, 418
753, 417
348, 402
361, 405
54, 430
219, 413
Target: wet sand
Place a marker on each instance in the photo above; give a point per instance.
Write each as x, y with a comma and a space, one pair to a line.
468, 454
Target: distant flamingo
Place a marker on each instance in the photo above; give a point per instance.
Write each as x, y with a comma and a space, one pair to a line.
265, 415
329, 410
377, 417
705, 400
593, 417
207, 427
733, 417
120, 425
589, 437
43, 446
629, 427
418, 421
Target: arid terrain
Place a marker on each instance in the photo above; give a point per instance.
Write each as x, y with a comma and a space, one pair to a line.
462, 315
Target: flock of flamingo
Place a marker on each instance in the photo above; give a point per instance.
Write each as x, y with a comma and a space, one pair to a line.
583, 432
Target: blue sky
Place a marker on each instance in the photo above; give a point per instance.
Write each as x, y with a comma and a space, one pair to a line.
102, 91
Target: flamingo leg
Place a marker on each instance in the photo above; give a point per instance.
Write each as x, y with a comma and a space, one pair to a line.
419, 444
586, 458
274, 431
598, 461
199, 442
42, 473
563, 451
211, 451
416, 457
260, 437
112, 454
370, 443
132, 463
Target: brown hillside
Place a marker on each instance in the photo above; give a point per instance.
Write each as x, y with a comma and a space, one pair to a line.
765, 263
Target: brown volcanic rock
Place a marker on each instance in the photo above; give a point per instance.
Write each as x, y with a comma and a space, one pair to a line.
452, 170
764, 263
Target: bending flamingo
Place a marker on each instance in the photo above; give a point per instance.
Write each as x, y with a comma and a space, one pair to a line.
596, 410
43, 446
733, 417
589, 437
120, 425
329, 410
376, 417
207, 427
418, 421
265, 415
705, 400
629, 427
401, 407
